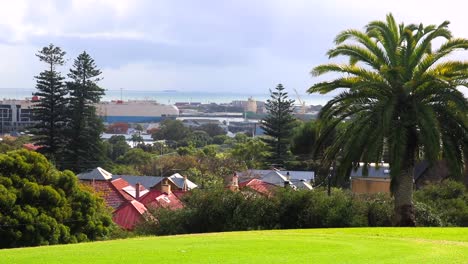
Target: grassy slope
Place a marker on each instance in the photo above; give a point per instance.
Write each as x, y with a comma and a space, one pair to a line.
355, 245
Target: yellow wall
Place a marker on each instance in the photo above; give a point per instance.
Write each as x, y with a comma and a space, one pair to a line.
370, 185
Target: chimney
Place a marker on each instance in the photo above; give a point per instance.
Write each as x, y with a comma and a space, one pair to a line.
185, 186
166, 186
234, 186
137, 190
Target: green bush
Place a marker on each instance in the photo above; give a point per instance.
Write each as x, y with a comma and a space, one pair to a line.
426, 216
218, 210
449, 200
40, 205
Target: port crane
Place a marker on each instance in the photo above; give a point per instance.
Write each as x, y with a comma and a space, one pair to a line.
303, 105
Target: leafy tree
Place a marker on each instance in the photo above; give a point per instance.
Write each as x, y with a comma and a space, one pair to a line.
400, 92
137, 139
278, 124
253, 153
171, 130
51, 110
40, 205
84, 149
304, 139
117, 146
212, 129
135, 156
198, 139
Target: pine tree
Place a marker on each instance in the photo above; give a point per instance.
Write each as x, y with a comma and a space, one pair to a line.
84, 149
50, 111
278, 124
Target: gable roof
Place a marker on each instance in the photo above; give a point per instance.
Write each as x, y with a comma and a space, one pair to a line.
302, 184
155, 198
119, 185
259, 186
274, 177
147, 181
293, 175
98, 174
129, 214
179, 181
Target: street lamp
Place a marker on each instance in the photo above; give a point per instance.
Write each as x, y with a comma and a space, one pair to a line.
329, 181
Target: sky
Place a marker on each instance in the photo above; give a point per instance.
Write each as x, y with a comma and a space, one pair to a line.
212, 46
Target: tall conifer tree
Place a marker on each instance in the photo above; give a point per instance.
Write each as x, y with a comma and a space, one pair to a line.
84, 150
50, 110
278, 124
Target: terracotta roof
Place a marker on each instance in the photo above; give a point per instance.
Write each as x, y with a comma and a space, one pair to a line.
259, 186
108, 192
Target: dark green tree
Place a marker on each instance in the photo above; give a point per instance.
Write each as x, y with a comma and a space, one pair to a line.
85, 145
171, 130
50, 111
116, 146
400, 93
40, 205
212, 129
278, 124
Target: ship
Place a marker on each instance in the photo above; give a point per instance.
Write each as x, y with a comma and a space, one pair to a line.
135, 111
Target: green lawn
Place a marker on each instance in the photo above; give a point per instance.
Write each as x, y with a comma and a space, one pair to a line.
348, 245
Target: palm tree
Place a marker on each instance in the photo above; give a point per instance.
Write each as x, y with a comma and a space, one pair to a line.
397, 95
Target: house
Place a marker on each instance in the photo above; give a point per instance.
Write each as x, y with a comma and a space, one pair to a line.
162, 197
110, 190
133, 212
373, 178
132, 196
177, 181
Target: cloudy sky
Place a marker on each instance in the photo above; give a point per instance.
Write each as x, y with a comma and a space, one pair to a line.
211, 45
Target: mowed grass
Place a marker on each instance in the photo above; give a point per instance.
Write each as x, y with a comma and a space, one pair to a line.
346, 245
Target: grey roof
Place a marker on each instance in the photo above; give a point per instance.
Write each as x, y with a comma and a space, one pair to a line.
98, 174
146, 181
293, 175
178, 180
382, 171
302, 184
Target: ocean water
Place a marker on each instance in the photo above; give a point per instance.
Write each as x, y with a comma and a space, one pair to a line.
171, 97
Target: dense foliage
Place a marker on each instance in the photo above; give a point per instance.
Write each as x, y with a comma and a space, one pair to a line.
40, 205
278, 124
218, 210
401, 93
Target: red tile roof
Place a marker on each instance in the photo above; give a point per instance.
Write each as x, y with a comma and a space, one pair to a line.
258, 186
108, 192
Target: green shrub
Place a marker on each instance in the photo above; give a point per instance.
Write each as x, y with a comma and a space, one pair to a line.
425, 215
448, 199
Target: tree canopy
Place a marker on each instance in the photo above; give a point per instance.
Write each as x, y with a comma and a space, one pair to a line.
40, 205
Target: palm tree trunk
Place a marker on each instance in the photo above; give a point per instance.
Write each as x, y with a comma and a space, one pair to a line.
403, 193
403, 187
